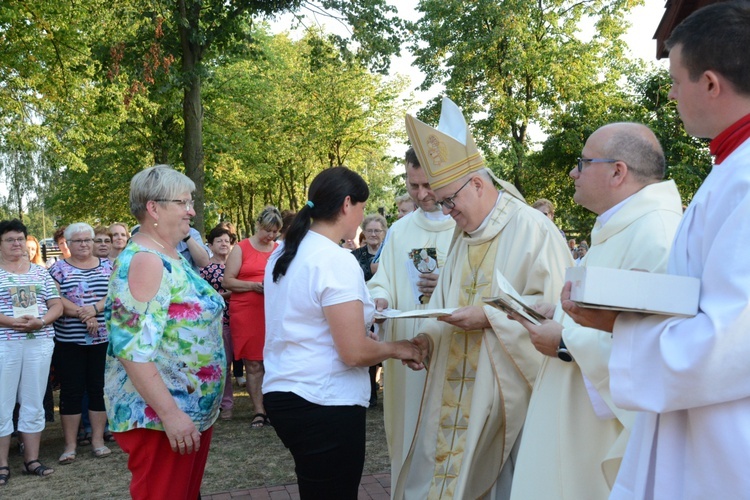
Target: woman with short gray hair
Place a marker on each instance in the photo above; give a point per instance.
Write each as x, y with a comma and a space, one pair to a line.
166, 362
81, 338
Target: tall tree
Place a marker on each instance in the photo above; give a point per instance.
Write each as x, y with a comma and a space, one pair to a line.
195, 32
516, 63
276, 119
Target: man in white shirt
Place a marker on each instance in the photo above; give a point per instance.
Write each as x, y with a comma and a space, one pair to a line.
688, 376
574, 436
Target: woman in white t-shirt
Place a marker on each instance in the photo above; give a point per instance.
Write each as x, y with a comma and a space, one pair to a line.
316, 388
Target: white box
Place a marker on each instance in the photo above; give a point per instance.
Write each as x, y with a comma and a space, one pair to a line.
621, 290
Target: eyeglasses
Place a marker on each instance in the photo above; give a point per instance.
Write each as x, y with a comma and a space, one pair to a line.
188, 204
14, 240
99, 241
581, 161
448, 202
373, 231
87, 241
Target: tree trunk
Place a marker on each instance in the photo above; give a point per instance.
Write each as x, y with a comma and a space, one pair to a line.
192, 108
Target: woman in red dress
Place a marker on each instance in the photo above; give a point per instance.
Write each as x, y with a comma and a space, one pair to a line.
243, 276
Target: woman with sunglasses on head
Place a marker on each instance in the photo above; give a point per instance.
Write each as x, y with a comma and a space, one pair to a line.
166, 364
81, 338
317, 351
120, 235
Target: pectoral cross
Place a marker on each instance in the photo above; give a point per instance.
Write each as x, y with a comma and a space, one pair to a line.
474, 286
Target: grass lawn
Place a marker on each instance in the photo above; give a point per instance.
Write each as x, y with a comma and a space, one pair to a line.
240, 458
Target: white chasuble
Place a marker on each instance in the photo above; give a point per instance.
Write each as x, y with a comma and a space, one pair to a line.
479, 383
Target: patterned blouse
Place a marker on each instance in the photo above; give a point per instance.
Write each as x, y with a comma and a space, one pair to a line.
82, 287
214, 274
179, 330
40, 287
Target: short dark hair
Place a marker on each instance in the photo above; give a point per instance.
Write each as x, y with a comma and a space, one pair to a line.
59, 234
219, 231
411, 157
7, 226
717, 38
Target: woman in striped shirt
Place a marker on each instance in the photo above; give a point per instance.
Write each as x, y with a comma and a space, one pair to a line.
82, 341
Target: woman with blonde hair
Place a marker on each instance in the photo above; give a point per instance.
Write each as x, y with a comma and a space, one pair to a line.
243, 277
34, 250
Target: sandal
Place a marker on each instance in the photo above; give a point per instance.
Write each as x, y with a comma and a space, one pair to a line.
101, 452
84, 438
40, 470
108, 437
67, 457
4, 477
260, 420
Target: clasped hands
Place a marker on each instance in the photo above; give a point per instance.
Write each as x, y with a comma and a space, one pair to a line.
27, 323
87, 315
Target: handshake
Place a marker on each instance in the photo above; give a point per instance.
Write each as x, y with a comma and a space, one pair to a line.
414, 353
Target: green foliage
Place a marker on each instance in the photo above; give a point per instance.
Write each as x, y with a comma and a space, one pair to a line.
514, 64
688, 158
275, 120
643, 98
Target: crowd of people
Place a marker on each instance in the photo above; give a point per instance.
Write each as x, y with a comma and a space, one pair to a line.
142, 328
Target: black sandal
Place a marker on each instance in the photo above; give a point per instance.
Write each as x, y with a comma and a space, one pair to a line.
259, 424
84, 438
40, 470
4, 477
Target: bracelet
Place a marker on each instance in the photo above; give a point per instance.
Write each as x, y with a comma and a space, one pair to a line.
95, 309
43, 323
186, 238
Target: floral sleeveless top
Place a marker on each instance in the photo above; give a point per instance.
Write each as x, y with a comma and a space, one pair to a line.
179, 330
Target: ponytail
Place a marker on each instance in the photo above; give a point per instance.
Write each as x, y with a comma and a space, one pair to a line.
294, 235
327, 193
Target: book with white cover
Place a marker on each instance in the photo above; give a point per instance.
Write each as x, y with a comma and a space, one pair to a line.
634, 291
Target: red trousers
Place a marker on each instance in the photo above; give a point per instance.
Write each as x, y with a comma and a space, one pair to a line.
158, 472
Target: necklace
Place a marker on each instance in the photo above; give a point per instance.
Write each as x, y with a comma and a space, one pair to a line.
17, 270
152, 239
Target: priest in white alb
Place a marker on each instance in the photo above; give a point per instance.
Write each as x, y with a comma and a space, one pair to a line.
399, 284
575, 436
688, 377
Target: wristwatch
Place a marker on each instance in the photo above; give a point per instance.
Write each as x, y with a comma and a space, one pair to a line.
563, 353
186, 238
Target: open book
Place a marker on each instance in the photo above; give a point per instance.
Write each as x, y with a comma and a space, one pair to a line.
418, 313
509, 304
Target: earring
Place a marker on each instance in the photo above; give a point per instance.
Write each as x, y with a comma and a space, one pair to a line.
156, 224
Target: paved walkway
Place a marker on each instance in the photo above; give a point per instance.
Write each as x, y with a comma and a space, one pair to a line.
375, 487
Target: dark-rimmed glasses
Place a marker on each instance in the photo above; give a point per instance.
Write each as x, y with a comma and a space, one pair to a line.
448, 202
581, 161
